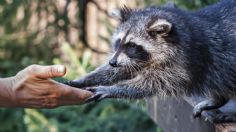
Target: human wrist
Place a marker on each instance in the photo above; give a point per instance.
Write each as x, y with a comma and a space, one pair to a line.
6, 92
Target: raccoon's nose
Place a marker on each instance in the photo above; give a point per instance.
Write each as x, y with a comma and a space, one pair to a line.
113, 62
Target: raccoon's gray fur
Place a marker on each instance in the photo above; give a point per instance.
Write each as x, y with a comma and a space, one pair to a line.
168, 51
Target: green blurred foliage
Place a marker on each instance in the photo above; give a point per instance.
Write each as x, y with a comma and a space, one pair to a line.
22, 45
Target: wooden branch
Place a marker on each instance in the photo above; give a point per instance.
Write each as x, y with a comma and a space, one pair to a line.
174, 115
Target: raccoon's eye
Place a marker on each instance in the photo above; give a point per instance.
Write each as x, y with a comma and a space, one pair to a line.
117, 44
153, 33
130, 44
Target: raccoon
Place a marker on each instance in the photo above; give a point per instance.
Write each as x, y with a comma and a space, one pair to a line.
169, 51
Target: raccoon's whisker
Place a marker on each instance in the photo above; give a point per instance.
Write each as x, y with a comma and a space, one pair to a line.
133, 68
130, 70
127, 69
137, 67
115, 73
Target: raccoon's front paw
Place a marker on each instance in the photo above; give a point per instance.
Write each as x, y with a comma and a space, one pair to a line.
100, 93
209, 104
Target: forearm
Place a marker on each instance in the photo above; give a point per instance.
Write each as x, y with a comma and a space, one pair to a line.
6, 92
119, 91
135, 88
127, 91
105, 75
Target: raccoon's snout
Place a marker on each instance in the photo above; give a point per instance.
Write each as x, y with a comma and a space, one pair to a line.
113, 63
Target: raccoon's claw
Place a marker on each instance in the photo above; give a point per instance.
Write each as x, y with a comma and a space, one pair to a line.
96, 98
91, 89
98, 95
196, 112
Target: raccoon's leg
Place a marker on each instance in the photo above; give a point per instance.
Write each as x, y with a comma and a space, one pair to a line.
104, 75
224, 117
117, 91
212, 103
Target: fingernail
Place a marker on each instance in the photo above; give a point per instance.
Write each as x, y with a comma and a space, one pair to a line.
61, 69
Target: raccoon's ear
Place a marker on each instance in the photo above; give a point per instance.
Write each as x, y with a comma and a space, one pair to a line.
159, 27
122, 14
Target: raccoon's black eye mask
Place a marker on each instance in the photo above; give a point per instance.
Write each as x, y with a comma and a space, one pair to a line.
135, 51
132, 50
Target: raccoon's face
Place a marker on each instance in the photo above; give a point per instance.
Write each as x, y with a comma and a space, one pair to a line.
141, 39
127, 51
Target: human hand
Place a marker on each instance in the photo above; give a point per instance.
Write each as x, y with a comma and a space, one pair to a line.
33, 88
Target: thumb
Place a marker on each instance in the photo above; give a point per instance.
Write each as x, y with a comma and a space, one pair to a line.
48, 71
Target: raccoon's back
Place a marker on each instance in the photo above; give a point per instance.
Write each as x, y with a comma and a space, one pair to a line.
217, 26
225, 9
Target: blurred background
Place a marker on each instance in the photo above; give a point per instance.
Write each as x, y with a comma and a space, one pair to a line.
75, 33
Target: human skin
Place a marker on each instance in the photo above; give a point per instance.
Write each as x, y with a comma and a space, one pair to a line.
33, 88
